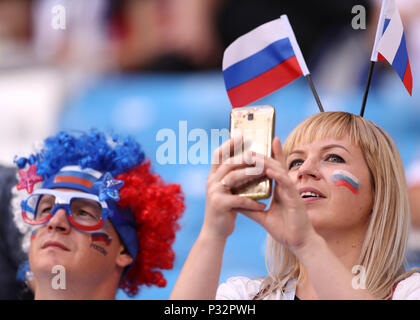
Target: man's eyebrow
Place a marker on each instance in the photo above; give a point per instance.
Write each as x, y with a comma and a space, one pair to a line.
330, 146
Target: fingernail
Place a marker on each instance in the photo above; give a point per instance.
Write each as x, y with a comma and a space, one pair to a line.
249, 157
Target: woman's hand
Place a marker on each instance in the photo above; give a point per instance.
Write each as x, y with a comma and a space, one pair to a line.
286, 219
221, 205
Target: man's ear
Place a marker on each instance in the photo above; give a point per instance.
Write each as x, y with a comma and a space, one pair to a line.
124, 259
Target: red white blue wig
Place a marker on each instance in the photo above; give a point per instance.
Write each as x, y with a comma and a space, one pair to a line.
142, 208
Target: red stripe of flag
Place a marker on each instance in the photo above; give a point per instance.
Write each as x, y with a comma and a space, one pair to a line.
265, 83
408, 79
101, 237
381, 57
344, 183
75, 180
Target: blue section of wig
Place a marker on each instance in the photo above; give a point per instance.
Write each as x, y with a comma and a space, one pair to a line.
22, 270
93, 149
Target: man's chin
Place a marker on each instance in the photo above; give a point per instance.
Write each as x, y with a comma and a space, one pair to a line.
49, 263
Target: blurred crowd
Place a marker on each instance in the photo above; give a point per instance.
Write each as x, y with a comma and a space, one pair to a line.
157, 35
51, 50
188, 35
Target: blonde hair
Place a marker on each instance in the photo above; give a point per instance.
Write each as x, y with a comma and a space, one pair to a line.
383, 251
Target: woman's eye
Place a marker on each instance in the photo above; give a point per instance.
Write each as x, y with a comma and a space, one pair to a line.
295, 163
335, 158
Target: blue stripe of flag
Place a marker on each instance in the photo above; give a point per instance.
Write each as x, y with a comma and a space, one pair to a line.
401, 58
258, 63
386, 23
77, 174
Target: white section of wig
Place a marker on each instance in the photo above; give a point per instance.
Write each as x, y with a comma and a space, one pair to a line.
17, 197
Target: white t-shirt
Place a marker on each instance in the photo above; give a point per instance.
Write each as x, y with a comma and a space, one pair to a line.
243, 288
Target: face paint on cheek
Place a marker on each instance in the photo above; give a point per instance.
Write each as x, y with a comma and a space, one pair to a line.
33, 234
100, 237
342, 178
98, 248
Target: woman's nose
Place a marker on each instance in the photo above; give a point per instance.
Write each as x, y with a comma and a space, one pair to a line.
309, 168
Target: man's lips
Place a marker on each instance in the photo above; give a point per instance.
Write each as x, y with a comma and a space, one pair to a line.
54, 244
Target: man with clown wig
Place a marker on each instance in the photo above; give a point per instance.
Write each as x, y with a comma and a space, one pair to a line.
94, 216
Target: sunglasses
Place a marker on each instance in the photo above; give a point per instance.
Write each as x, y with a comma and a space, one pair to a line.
83, 210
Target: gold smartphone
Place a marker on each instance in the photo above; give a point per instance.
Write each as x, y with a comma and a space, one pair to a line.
256, 125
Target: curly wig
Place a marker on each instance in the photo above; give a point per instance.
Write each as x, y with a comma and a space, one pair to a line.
155, 205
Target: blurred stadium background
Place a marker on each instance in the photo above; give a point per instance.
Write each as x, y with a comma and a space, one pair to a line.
138, 66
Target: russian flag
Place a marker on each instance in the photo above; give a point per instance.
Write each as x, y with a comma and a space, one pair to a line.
390, 43
262, 61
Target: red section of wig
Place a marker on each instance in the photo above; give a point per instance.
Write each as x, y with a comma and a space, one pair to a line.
156, 207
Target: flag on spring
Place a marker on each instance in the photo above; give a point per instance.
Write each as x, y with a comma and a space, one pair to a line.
390, 43
262, 61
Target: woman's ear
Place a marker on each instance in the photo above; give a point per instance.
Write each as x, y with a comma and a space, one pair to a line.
124, 259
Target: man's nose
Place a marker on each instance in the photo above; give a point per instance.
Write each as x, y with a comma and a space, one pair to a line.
59, 221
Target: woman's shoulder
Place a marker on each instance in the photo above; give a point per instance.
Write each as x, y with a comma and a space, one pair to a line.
408, 289
243, 288
239, 288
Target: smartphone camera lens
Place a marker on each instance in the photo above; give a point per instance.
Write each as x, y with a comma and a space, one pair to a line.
250, 116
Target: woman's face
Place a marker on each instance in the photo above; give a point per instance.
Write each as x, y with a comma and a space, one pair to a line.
334, 182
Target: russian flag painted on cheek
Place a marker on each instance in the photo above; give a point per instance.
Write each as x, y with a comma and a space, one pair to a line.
262, 61
390, 44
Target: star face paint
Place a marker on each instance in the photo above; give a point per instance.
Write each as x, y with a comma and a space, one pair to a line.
342, 178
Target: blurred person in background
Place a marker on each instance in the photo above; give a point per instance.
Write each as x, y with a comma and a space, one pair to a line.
15, 33
188, 35
89, 203
165, 35
11, 253
71, 33
169, 35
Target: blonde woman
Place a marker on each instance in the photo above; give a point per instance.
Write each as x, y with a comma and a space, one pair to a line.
337, 223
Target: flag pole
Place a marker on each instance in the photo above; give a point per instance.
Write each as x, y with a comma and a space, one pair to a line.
362, 111
300, 59
311, 84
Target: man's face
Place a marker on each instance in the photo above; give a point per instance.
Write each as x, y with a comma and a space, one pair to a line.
87, 256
